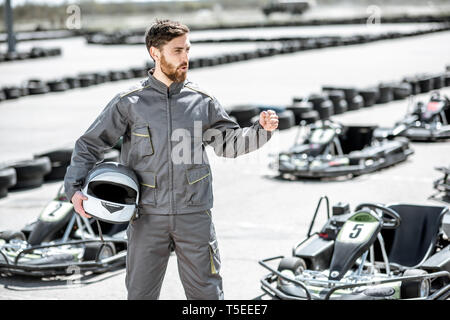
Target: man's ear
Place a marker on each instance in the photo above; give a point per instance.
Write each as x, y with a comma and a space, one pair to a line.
155, 53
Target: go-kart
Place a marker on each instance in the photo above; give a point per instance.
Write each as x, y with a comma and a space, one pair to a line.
426, 122
374, 252
61, 242
329, 149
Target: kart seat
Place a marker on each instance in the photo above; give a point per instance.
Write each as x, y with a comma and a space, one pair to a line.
415, 238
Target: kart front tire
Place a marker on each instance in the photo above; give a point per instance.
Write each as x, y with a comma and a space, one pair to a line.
97, 251
10, 234
294, 264
415, 288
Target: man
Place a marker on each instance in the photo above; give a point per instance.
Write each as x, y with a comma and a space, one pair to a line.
176, 190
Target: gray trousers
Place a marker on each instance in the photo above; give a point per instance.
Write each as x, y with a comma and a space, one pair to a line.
149, 241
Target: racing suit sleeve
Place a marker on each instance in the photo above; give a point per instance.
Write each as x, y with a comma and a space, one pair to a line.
89, 149
227, 138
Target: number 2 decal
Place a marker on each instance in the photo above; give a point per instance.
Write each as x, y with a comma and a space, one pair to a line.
357, 230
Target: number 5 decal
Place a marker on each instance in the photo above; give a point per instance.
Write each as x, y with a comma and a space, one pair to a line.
357, 228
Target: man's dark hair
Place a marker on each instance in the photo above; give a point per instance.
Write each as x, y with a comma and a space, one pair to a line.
162, 31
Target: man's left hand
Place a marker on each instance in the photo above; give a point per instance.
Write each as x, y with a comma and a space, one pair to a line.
268, 120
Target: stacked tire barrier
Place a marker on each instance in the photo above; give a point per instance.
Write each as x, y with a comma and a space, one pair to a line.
64, 33
334, 100
44, 167
34, 53
37, 86
132, 38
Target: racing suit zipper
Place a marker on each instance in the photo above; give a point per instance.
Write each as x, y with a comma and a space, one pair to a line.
169, 151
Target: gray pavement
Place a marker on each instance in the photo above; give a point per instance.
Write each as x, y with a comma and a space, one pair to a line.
256, 215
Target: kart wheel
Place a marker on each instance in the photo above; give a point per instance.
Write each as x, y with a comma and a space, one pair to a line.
415, 288
10, 234
294, 264
97, 251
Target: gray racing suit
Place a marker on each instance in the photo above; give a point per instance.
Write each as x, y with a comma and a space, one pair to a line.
165, 131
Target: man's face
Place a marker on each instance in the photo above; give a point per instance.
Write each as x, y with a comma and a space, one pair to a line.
174, 58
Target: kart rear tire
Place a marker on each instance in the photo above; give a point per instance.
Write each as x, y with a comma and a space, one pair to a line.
98, 250
294, 264
412, 289
8, 235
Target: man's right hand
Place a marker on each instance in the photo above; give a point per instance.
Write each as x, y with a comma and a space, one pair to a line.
77, 201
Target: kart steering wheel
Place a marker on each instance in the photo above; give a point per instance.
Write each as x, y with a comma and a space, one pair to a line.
390, 218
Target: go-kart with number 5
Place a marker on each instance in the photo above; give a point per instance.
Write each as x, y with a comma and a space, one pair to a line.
374, 252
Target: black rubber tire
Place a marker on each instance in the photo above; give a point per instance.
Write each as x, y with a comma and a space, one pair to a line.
447, 79
300, 107
95, 250
286, 119
86, 80
12, 92
310, 117
244, 114
58, 85
30, 173
57, 155
411, 289
370, 96
401, 91
326, 110
317, 99
336, 95
340, 106
386, 93
8, 179
414, 82
425, 83
60, 160
356, 103
35, 86
72, 82
8, 235
295, 264
438, 81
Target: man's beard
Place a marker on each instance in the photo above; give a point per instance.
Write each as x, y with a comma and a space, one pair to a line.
172, 72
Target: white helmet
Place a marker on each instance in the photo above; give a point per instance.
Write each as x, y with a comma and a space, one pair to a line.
112, 190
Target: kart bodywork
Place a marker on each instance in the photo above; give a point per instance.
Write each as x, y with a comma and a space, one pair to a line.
60, 242
375, 252
329, 149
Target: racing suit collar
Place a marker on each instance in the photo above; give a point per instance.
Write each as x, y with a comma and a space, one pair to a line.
174, 88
